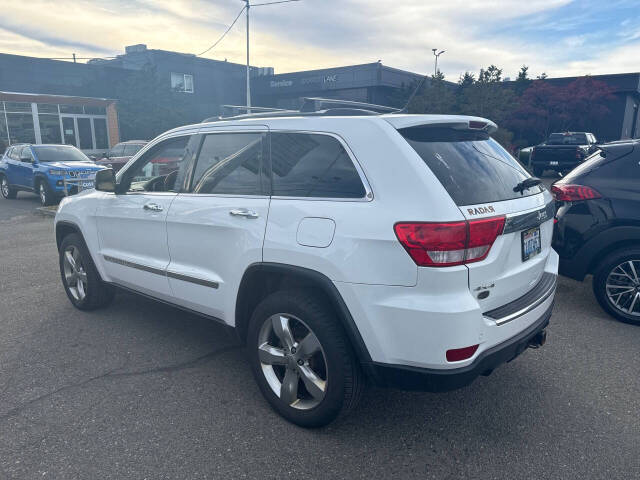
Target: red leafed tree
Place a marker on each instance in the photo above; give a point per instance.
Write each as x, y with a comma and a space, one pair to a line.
544, 108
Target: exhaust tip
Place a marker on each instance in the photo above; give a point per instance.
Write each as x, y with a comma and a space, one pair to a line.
538, 340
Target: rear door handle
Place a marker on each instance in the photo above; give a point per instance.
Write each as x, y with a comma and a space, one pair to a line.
154, 207
243, 212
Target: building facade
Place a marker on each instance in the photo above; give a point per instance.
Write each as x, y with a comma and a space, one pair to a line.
47, 101
54, 101
370, 83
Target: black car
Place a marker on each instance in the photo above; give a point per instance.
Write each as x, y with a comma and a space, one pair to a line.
562, 152
597, 228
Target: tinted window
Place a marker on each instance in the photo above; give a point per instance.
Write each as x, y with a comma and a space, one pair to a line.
117, 150
160, 169
471, 166
229, 163
59, 153
312, 165
567, 139
130, 149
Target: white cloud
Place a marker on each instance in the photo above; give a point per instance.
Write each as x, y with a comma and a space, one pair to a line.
313, 33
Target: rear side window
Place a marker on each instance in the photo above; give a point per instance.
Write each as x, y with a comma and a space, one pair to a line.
229, 164
312, 165
471, 166
130, 149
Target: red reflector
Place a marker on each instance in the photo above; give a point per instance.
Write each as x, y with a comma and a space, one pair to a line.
450, 243
573, 193
458, 354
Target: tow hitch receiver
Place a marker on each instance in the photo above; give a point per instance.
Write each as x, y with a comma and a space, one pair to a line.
538, 340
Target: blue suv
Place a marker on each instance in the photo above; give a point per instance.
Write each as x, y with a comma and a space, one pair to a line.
42, 169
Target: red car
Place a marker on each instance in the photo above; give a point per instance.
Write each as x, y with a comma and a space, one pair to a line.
119, 154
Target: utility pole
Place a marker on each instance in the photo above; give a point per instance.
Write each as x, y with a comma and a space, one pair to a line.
74, 58
435, 69
248, 67
247, 7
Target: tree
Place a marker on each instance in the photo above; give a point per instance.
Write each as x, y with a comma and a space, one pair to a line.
487, 97
436, 96
545, 108
522, 80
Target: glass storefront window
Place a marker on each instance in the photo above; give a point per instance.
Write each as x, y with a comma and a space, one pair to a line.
17, 106
100, 130
49, 128
4, 141
71, 109
21, 128
95, 110
47, 108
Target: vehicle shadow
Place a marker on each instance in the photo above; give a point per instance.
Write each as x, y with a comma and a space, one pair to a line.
506, 404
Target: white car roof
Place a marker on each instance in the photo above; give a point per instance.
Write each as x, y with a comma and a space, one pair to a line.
336, 123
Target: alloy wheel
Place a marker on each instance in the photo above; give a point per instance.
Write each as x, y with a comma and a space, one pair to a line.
293, 361
5, 187
43, 194
623, 287
74, 273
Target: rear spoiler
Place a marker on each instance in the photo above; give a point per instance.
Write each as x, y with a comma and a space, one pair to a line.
442, 121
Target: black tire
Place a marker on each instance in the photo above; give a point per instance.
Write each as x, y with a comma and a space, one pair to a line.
344, 379
47, 197
606, 266
538, 171
6, 190
97, 294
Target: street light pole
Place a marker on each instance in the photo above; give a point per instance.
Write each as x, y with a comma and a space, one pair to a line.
434, 50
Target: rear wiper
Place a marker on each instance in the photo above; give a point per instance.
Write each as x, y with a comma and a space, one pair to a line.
526, 184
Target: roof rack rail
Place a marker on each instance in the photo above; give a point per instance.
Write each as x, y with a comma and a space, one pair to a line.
233, 110
311, 107
315, 104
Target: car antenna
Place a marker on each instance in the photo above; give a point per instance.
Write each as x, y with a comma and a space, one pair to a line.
405, 109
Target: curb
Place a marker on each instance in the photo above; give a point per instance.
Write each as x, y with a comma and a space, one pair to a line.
46, 211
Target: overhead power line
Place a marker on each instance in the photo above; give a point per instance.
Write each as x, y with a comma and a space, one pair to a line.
225, 33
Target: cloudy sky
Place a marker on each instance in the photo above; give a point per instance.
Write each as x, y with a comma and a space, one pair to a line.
559, 37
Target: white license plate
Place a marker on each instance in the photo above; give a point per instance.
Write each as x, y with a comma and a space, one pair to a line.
87, 184
531, 243
553, 163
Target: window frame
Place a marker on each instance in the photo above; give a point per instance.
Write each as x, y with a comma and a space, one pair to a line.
265, 164
142, 153
368, 192
184, 82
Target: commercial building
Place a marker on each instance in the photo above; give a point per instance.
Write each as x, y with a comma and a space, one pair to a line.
54, 101
369, 82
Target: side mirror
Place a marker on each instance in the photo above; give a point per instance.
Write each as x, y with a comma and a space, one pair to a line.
26, 159
105, 180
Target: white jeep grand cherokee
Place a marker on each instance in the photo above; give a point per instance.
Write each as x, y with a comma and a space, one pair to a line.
409, 250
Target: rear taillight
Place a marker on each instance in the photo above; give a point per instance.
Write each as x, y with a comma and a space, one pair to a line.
573, 193
450, 243
578, 153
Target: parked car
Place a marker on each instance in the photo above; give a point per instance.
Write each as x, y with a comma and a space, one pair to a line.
118, 156
41, 169
598, 227
409, 250
562, 152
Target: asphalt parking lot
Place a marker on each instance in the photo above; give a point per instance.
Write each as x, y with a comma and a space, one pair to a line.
142, 390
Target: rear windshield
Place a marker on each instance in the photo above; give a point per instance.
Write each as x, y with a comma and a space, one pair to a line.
471, 166
59, 153
567, 139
